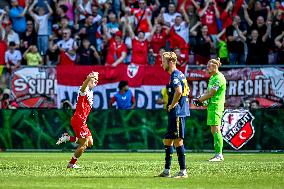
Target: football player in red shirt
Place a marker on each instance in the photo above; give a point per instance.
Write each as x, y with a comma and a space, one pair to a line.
78, 121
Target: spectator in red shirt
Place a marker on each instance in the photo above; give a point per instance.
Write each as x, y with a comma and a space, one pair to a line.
117, 50
139, 46
3, 48
230, 12
158, 60
5, 100
158, 36
143, 14
209, 15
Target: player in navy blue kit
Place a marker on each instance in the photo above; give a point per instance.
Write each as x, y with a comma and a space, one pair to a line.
178, 110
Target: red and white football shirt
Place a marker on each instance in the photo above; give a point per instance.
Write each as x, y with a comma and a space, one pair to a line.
83, 108
143, 25
115, 51
158, 41
209, 19
139, 52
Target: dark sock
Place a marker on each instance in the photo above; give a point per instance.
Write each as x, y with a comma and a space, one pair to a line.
169, 154
181, 156
73, 139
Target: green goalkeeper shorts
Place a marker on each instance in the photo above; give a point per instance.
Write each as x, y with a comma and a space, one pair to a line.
214, 115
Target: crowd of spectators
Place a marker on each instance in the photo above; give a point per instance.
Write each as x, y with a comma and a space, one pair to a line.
104, 32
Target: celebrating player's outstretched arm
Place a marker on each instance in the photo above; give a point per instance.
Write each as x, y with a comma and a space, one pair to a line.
78, 122
93, 77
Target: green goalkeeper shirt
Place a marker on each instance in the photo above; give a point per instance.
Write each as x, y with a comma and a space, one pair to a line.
218, 83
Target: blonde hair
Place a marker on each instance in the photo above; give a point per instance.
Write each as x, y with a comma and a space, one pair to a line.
216, 61
170, 56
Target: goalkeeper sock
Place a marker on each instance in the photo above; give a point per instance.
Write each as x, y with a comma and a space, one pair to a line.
73, 139
169, 154
181, 157
218, 142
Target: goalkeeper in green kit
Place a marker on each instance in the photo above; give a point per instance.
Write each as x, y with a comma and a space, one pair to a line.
215, 95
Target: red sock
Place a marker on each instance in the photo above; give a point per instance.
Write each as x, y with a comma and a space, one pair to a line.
73, 139
73, 160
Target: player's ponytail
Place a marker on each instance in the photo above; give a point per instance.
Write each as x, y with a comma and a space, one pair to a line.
216, 61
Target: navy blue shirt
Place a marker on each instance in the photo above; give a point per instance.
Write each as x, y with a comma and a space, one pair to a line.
182, 108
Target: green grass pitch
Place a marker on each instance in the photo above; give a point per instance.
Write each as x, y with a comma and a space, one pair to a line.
137, 170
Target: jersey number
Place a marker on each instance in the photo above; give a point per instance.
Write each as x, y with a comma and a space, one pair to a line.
185, 88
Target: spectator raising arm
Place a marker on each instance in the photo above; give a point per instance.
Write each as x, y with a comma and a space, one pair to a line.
268, 31
247, 18
2, 17
183, 12
195, 4
31, 12
156, 5
96, 54
277, 40
193, 29
218, 37
123, 7
153, 30
23, 14
130, 30
105, 30
239, 32
217, 13
202, 12
50, 11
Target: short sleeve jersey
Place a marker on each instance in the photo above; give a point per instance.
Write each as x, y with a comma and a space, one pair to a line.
182, 109
218, 83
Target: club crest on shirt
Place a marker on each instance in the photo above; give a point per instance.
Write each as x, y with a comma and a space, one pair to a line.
132, 70
237, 128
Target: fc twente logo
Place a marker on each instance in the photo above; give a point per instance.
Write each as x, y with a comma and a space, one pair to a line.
132, 70
237, 128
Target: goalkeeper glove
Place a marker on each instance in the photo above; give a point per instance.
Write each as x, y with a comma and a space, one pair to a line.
197, 103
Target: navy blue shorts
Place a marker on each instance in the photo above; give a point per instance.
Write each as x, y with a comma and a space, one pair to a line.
176, 126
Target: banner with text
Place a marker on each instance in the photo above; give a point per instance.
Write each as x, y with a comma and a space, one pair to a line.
145, 83
244, 85
34, 87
